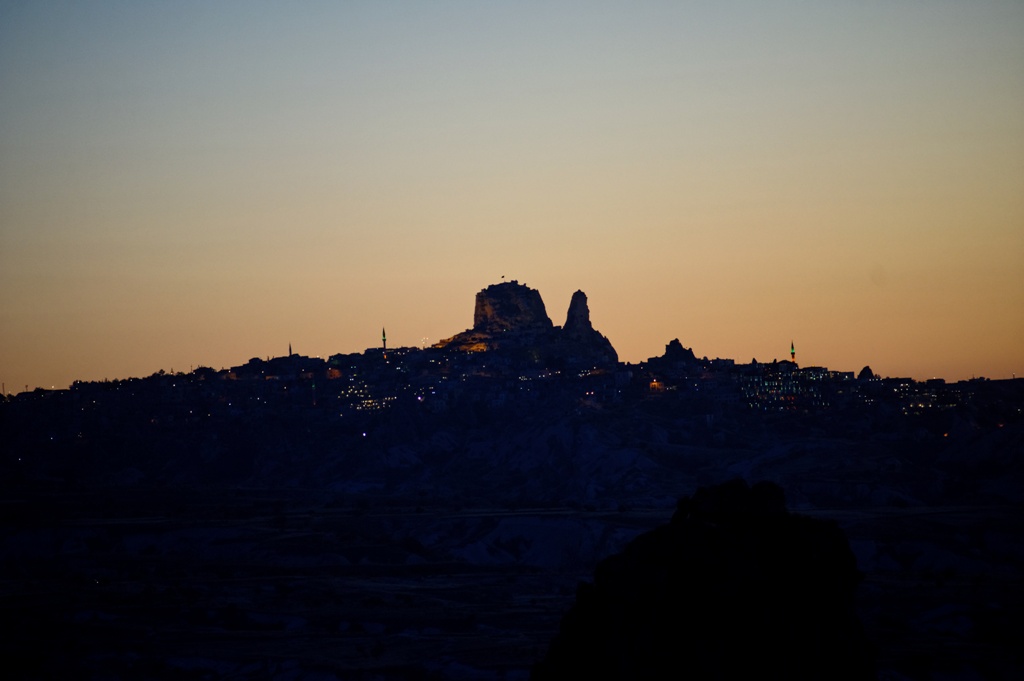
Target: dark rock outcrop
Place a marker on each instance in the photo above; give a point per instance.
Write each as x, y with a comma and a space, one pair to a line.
579, 339
577, 320
510, 306
676, 356
510, 318
733, 587
675, 352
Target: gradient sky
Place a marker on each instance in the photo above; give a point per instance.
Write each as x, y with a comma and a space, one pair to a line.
198, 183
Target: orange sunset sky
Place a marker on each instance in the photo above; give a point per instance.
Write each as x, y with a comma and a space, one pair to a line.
197, 183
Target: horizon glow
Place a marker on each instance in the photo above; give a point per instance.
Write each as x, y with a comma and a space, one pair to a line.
192, 183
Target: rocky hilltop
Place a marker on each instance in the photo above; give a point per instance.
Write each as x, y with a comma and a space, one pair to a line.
510, 306
510, 319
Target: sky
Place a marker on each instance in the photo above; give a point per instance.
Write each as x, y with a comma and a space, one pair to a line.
196, 183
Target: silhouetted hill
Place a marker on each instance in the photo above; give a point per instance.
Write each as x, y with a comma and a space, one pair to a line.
733, 588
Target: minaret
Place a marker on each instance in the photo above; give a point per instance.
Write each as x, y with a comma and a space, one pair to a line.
792, 351
384, 341
289, 349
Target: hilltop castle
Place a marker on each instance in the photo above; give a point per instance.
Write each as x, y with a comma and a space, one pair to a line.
510, 319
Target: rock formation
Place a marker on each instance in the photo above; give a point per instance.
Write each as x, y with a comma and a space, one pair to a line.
577, 320
675, 352
510, 318
677, 360
579, 338
510, 306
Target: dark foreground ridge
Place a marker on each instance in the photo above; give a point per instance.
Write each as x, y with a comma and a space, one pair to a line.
734, 587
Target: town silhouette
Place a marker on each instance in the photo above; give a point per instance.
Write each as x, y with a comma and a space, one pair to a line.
513, 502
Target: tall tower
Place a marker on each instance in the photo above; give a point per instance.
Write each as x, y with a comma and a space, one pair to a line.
384, 341
289, 349
792, 351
